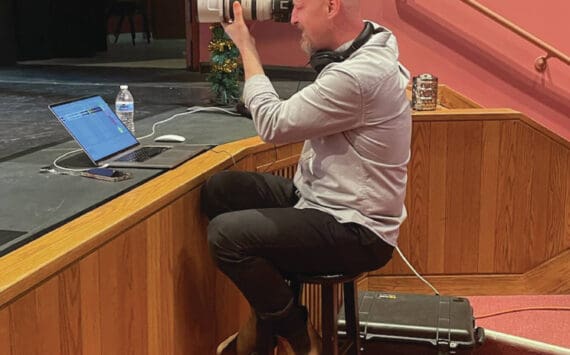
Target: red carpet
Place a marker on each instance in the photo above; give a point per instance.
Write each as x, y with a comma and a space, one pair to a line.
552, 327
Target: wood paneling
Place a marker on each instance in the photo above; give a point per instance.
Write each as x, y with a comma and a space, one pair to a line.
148, 291
25, 332
89, 284
418, 189
5, 331
488, 207
505, 198
123, 292
462, 197
487, 196
53, 318
538, 216
460, 285
567, 218
550, 277
559, 177
437, 192
69, 310
523, 199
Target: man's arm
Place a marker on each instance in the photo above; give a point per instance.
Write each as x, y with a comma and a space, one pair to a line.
240, 35
332, 104
326, 107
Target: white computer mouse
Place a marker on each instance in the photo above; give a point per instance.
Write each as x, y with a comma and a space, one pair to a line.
170, 138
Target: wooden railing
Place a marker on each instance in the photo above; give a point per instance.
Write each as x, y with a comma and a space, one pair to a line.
541, 62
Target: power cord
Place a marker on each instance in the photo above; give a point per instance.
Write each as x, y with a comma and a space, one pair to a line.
56, 165
415, 272
190, 110
228, 153
266, 169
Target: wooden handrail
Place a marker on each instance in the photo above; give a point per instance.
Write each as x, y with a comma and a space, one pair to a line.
541, 62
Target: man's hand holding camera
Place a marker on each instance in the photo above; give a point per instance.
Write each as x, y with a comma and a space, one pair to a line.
240, 35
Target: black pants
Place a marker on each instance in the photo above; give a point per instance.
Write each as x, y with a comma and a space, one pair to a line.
256, 237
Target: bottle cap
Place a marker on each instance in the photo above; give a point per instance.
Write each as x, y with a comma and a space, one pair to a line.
124, 87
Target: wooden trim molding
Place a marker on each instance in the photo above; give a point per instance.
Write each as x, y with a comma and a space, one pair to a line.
549, 278
451, 99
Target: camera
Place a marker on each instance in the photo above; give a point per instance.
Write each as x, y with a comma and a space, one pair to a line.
210, 11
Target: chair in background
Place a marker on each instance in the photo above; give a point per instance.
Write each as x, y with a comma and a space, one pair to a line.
129, 9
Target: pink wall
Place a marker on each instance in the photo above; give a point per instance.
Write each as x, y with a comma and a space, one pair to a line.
467, 51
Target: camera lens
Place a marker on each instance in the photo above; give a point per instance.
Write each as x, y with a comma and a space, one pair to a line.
210, 11
253, 10
281, 10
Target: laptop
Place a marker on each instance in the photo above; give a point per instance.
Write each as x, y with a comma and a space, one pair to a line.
107, 141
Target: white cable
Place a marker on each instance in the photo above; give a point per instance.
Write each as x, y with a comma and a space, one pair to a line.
415, 272
526, 344
228, 153
54, 163
190, 110
212, 109
163, 121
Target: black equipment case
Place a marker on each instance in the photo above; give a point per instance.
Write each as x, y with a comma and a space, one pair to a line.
392, 323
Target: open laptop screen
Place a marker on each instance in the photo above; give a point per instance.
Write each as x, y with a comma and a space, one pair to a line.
94, 126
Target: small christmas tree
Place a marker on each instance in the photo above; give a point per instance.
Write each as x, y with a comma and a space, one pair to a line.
225, 70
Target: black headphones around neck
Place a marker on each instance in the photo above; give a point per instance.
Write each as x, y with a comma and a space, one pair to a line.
321, 59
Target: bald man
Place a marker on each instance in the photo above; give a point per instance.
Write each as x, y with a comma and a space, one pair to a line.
343, 210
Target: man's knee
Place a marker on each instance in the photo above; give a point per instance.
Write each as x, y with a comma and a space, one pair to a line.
212, 194
218, 182
222, 239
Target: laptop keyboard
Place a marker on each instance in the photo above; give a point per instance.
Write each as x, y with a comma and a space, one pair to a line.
142, 154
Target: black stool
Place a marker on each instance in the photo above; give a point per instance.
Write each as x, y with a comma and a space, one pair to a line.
330, 307
128, 9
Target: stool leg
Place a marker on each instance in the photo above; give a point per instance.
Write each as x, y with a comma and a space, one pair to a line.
118, 27
297, 289
351, 316
146, 27
132, 24
329, 300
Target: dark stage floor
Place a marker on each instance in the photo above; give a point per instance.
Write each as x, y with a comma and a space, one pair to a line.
26, 91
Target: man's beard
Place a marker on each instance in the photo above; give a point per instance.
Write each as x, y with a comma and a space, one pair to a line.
306, 45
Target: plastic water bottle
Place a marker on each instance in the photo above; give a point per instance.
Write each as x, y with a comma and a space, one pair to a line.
125, 107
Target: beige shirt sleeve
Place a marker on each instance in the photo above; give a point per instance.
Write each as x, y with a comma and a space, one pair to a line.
330, 105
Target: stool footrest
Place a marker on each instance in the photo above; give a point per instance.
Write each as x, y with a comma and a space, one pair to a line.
330, 304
